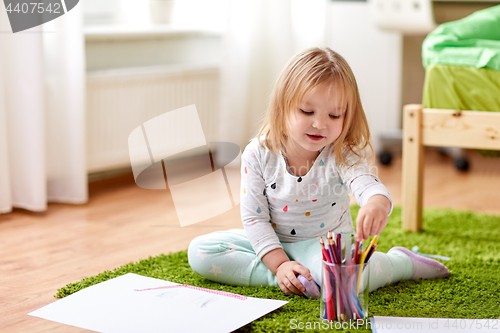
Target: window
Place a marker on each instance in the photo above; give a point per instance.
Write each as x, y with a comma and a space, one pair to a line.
183, 14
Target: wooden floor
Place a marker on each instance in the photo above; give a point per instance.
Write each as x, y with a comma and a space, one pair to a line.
40, 252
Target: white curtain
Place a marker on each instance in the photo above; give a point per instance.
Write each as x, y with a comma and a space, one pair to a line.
261, 36
42, 120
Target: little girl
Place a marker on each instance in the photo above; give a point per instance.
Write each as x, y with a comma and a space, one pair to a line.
295, 178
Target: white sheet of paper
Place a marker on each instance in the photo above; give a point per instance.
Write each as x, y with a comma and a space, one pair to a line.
423, 325
116, 306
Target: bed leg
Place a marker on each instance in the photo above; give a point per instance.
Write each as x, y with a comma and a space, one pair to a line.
413, 166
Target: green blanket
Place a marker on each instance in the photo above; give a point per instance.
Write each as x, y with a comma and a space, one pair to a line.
461, 88
472, 41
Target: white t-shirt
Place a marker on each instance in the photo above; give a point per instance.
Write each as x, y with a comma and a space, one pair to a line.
277, 206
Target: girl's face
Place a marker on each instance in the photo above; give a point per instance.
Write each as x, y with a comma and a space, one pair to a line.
318, 120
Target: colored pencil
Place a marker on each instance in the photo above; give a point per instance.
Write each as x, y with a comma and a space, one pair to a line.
336, 249
368, 256
329, 303
326, 256
339, 248
331, 247
361, 262
372, 243
356, 249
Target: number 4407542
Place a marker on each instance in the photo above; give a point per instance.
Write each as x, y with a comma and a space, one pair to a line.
34, 7
472, 324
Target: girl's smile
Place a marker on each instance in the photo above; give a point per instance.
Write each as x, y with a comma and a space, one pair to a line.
315, 137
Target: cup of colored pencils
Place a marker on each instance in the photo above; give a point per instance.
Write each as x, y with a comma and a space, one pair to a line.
345, 283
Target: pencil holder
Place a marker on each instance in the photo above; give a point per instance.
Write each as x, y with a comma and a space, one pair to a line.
344, 291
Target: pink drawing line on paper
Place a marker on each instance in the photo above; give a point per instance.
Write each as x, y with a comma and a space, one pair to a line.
217, 292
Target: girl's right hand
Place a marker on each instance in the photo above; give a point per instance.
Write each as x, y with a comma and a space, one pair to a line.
286, 273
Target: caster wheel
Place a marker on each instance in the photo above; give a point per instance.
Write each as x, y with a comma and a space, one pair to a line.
461, 164
385, 158
442, 151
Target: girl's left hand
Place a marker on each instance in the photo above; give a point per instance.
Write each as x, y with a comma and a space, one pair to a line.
372, 217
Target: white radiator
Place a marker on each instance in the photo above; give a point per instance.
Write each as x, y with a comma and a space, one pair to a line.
120, 100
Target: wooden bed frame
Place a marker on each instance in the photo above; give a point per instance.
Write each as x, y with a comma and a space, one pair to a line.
440, 128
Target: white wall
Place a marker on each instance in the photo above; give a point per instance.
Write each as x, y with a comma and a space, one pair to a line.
375, 58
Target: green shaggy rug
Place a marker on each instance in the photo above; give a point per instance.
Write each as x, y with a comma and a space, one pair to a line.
472, 290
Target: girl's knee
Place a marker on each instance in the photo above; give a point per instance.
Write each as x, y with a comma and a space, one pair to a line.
202, 251
194, 250
212, 248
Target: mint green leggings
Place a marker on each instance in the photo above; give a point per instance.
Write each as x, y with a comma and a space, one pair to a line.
228, 257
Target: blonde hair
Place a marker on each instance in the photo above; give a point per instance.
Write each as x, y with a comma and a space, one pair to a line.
303, 73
